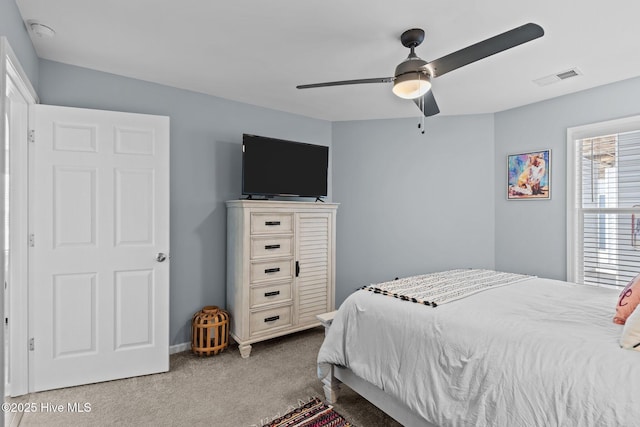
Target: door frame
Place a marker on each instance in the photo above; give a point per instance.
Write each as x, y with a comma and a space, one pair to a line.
18, 303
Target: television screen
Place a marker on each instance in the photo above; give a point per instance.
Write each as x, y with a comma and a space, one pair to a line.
275, 167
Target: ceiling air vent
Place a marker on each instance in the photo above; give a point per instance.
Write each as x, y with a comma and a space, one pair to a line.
554, 78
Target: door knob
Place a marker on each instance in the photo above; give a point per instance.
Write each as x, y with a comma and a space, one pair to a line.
160, 257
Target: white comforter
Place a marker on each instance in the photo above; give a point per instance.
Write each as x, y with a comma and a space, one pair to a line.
536, 353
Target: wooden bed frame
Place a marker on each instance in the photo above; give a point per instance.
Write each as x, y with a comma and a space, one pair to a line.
386, 403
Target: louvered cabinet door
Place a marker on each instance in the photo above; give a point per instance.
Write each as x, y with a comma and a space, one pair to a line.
314, 269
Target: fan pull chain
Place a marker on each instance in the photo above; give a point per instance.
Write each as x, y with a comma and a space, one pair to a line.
421, 107
422, 116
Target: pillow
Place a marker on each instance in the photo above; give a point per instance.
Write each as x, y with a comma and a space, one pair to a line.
631, 332
629, 299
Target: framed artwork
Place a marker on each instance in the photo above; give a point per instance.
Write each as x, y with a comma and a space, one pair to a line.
529, 175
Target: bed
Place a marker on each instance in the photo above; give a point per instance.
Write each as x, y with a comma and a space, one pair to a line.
535, 352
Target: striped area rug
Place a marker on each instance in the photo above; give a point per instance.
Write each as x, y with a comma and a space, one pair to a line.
314, 413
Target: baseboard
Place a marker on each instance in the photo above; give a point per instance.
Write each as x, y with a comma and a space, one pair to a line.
186, 346
179, 347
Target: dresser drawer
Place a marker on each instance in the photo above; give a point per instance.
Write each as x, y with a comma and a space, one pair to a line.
270, 294
267, 320
271, 223
271, 270
266, 246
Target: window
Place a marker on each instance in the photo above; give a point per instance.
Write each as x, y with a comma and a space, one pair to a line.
603, 203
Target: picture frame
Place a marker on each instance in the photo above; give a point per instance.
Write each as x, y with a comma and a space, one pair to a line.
529, 175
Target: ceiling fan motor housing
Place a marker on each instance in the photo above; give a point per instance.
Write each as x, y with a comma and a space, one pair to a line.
412, 65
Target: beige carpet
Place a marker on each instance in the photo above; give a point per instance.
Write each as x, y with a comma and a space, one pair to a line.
223, 390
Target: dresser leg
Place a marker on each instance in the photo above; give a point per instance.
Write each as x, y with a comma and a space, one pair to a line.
245, 350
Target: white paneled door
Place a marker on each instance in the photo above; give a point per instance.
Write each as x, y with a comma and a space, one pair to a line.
99, 282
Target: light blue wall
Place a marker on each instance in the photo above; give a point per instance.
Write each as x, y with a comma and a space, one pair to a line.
531, 235
412, 203
12, 27
206, 136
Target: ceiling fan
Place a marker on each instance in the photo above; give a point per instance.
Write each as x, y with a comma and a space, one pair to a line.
412, 79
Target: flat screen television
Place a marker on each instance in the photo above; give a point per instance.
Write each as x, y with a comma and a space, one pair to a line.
275, 167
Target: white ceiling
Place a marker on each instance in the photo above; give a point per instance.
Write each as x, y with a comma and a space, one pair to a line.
257, 51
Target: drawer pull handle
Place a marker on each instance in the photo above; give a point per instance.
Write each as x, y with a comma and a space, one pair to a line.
271, 319
271, 270
272, 223
271, 294
272, 247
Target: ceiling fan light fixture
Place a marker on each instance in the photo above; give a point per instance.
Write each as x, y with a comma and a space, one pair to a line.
411, 85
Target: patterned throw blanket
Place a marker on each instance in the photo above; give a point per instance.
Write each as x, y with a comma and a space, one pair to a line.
439, 288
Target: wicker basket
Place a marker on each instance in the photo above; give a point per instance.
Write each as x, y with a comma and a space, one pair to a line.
209, 331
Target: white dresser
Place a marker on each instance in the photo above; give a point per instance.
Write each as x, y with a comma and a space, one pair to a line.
280, 267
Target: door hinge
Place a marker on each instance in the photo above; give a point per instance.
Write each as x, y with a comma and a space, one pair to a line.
32, 135
32, 344
32, 240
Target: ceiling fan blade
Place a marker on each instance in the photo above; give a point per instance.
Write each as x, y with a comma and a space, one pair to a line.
485, 48
348, 82
430, 107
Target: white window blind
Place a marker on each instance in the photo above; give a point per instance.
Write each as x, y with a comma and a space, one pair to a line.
607, 198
